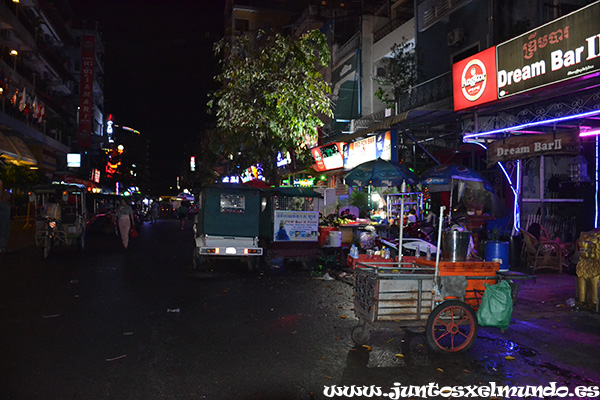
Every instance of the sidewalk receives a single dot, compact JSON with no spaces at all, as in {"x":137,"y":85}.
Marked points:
{"x":21,"y":236}
{"x":543,"y":321}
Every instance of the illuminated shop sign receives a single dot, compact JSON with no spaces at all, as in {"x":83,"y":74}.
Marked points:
{"x":86,"y":91}
{"x":564,"y":49}
{"x":249,"y":174}
{"x":73,"y":160}
{"x":474,"y":80}
{"x":329,"y":156}
{"x":283,"y":161}
{"x":371,"y":148}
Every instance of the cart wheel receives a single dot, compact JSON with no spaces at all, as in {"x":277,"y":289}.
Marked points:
{"x":361,"y":334}
{"x":47,"y":246}
{"x":451,"y":327}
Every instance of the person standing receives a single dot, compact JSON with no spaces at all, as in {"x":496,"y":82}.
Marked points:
{"x":125,"y":221}
{"x":4,"y":220}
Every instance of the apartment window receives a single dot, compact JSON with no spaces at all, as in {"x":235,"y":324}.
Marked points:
{"x":242,"y":25}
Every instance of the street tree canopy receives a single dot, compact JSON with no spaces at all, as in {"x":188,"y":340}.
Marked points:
{"x":272,"y":96}
{"x":400,"y":72}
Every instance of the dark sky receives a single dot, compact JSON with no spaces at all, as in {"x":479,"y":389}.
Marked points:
{"x":158,"y":69}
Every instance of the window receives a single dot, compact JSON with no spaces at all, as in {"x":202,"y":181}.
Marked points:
{"x":242,"y":25}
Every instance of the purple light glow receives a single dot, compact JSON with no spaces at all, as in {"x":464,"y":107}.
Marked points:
{"x":589,"y":133}
{"x":530,"y":124}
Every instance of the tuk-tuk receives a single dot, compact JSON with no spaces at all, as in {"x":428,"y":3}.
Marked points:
{"x":226,"y":224}
{"x":60,"y":215}
{"x":102,"y":208}
{"x":289,"y":224}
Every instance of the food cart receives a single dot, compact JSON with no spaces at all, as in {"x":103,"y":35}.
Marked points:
{"x":440,"y":297}
{"x":289,"y":224}
{"x":227,"y":224}
{"x":60,"y":215}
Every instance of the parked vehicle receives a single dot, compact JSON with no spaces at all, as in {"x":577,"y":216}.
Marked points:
{"x":227,"y":224}
{"x":289,"y":224}
{"x":61,"y":215}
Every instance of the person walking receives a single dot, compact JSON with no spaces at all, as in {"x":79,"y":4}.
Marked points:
{"x":154,"y":210}
{"x":183,"y":210}
{"x":125,"y":221}
{"x":4,"y":220}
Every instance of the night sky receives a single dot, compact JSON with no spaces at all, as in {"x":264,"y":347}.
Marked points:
{"x":159,"y":67}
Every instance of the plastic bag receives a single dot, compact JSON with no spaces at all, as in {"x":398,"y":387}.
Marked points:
{"x":133,"y":233}
{"x":496,"y":306}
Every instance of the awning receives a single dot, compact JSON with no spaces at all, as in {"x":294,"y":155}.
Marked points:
{"x":15,"y":150}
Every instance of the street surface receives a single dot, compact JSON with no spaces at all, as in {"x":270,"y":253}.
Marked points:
{"x":137,"y":324}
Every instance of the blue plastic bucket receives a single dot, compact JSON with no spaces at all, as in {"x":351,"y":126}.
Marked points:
{"x":498,"y":252}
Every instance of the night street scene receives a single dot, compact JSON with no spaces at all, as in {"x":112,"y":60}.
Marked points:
{"x":299,"y":199}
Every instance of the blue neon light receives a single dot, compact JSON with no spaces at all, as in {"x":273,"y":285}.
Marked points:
{"x":530,"y":124}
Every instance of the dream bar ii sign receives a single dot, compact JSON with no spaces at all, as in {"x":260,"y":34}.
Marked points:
{"x":563,"y":49}
{"x":521,"y":147}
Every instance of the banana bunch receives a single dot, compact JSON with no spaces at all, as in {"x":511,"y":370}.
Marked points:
{"x":342,"y":221}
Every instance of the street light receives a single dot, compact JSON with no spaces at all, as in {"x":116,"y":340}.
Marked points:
{"x":14,"y":53}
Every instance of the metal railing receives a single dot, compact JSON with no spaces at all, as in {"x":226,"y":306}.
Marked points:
{"x":347,"y":48}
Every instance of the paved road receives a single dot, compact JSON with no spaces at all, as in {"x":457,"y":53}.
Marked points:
{"x":96,"y":324}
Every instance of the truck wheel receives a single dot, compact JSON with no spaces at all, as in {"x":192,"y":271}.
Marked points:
{"x":197,"y":260}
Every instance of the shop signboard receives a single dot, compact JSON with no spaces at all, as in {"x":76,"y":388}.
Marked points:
{"x":329,"y":156}
{"x":474,"y":80}
{"x":527,"y":146}
{"x":296,"y":226}
{"x":368,"y":149}
{"x":86,"y":91}
{"x":563,"y":49}
{"x":566,"y":48}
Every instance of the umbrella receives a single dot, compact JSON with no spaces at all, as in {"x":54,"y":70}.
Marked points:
{"x":443,"y":178}
{"x":380,"y":173}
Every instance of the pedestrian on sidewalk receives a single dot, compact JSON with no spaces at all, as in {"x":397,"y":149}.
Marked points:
{"x":125,"y":221}
{"x":4,"y":220}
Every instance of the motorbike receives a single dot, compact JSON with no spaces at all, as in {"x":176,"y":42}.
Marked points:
{"x":60,"y":214}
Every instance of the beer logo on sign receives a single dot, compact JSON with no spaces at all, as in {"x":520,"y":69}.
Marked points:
{"x":473,"y":80}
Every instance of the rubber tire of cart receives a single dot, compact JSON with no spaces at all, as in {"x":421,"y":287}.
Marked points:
{"x":361,"y":334}
{"x":451,"y":332}
{"x":47,"y":246}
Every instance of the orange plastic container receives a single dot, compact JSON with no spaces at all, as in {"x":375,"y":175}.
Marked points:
{"x":478,"y":273}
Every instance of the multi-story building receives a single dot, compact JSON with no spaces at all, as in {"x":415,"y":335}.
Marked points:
{"x":40,"y":73}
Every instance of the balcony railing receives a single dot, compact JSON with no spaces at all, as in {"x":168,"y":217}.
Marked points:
{"x":389,"y":28}
{"x":435,"y":89}
{"x":347,"y":48}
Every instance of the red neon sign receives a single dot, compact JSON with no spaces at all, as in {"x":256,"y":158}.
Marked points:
{"x":474,"y":80}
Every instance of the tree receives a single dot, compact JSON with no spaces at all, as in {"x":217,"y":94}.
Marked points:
{"x":19,"y":177}
{"x":272,"y":96}
{"x":400,"y":72}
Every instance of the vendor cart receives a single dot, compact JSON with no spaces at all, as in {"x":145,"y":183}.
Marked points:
{"x":289,"y":224}
{"x":60,"y":215}
{"x":417,"y":293}
{"x":413,"y":296}
{"x":227,"y":224}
